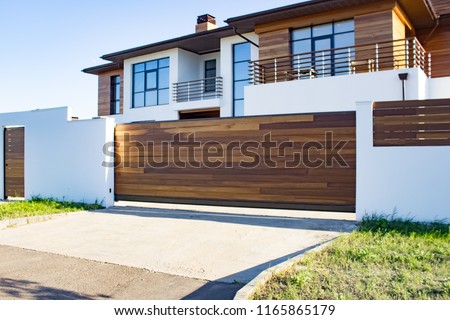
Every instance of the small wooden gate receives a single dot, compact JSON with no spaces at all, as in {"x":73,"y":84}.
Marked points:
{"x":14,"y":162}
{"x":305,"y":161}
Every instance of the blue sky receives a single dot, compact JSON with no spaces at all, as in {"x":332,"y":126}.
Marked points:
{"x":45,"y":44}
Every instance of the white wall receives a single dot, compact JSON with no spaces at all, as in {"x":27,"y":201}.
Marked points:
{"x":188,"y":66}
{"x":332,"y":93}
{"x":439,"y":88}
{"x":414,"y":181}
{"x":226,"y":66}
{"x":63,"y":159}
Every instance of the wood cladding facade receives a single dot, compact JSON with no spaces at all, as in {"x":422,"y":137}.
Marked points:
{"x":14,"y":162}
{"x":274,"y":44}
{"x":373,"y":28}
{"x":437,"y":43}
{"x":412,"y":123}
{"x":222,"y":176}
{"x":377,"y":22}
{"x":104,"y":92}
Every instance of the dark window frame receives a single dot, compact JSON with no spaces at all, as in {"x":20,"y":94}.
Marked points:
{"x":330,"y":36}
{"x":210,"y":84}
{"x":148,"y":70}
{"x":114,"y":107}
{"x":248,"y":80}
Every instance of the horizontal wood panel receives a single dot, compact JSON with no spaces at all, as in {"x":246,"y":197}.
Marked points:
{"x":104,"y":92}
{"x":326,"y":17}
{"x":437,"y":42}
{"x":14,"y":147}
{"x":315,"y":180}
{"x":274,"y":44}
{"x":412,"y":123}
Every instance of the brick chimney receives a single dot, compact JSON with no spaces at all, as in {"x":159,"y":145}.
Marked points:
{"x":205,"y":22}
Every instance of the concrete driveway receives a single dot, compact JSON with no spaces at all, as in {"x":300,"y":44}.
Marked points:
{"x":233,"y":246}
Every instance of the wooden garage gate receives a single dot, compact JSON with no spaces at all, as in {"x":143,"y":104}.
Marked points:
{"x":14,"y":162}
{"x":149,"y":168}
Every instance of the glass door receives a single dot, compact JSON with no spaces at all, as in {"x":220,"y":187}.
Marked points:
{"x":323,"y":61}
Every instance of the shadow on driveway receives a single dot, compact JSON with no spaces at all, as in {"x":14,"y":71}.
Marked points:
{"x":23,"y":289}
{"x":286,"y":222}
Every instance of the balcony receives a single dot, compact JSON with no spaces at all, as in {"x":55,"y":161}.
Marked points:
{"x":195,"y":90}
{"x":392,"y":55}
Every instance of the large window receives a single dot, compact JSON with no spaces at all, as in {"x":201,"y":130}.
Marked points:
{"x":324,"y":37}
{"x":151,"y":83}
{"x":241,"y":77}
{"x":115,"y":95}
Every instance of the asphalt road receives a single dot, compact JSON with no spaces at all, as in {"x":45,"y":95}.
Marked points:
{"x":32,"y":275}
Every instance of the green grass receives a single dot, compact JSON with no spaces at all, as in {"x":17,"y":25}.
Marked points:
{"x":385,"y":259}
{"x":39,"y":206}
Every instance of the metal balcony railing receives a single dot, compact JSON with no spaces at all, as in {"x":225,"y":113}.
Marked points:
{"x":209,"y":88}
{"x":398,"y":54}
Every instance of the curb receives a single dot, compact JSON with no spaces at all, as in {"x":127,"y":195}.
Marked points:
{"x":261,"y":279}
{"x":12,"y":223}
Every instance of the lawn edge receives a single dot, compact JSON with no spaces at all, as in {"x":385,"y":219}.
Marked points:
{"x":17,"y":222}
{"x":261,"y":279}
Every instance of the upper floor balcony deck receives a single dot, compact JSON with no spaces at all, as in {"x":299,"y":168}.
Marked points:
{"x":392,"y":55}
{"x":195,"y":90}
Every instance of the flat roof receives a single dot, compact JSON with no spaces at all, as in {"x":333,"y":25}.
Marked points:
{"x":199,"y":43}
{"x":422,"y":14}
{"x":103,"y":68}
{"x":417,"y":10}
{"x":305,"y":8}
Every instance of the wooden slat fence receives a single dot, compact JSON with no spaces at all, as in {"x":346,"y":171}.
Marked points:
{"x":412,"y":123}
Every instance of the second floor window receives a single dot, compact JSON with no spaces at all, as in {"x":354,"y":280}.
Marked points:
{"x":115,"y":95}
{"x":151,"y":83}
{"x":321,"y":39}
{"x":241,"y":77}
{"x":210,"y":76}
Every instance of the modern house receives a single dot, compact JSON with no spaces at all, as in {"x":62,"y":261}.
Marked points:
{"x":314,"y":56}
{"x":308,"y":111}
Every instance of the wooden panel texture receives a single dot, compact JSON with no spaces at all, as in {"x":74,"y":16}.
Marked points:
{"x":326,"y":17}
{"x":14,"y":162}
{"x":104,"y":92}
{"x":231,"y":163}
{"x":412,"y":123}
{"x":274,"y":44}
{"x":437,"y":43}
{"x":373,"y":28}
{"x":442,"y":7}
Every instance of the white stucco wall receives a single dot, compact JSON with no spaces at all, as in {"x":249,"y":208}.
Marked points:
{"x":226,"y":66}
{"x":439,"y":88}
{"x":332,"y":93}
{"x":63,"y":159}
{"x":188,"y":66}
{"x":413,"y":181}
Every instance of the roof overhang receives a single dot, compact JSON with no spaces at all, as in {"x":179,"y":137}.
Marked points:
{"x":421,"y":13}
{"x":199,"y":43}
{"x":301,"y":9}
{"x":440,"y":7}
{"x":103,"y":68}
{"x":418,"y":11}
